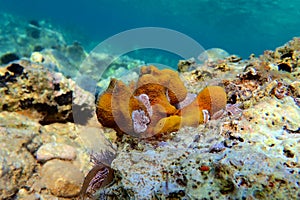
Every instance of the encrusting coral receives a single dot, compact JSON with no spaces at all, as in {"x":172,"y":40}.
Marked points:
{"x":151,"y":106}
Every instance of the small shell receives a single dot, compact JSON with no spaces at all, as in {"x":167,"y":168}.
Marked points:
{"x":100,"y":175}
{"x":206,"y":116}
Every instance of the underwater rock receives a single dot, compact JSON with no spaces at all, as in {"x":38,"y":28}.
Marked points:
{"x":250,"y":150}
{"x":254,"y":157}
{"x":27,"y":37}
{"x":244,"y":153}
{"x":276,"y":114}
{"x":285,"y":58}
{"x":295,"y":88}
{"x":37,"y":57}
{"x":50,"y":151}
{"x":62,"y":178}
{"x":113,"y":64}
{"x":64,"y":60}
{"x":39,"y":36}
{"x":233,"y":58}
{"x":22,"y":136}
{"x":264,"y":76}
{"x":14,"y":171}
{"x":186,"y":65}
{"x":33,"y":31}
{"x":250,"y":167}
{"x":17,"y":163}
{"x":212,"y":55}
{"x":99,"y":68}
{"x":126,"y":75}
{"x":29,"y":87}
{"x":8,"y":57}
{"x":75,"y":53}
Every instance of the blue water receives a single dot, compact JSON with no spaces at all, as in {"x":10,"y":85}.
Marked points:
{"x":240,"y":27}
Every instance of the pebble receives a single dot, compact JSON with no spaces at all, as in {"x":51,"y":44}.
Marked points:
{"x":53,"y":150}
{"x":36,"y":57}
{"x":62,"y":178}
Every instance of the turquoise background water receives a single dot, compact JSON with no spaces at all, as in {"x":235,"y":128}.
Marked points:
{"x":240,"y":27}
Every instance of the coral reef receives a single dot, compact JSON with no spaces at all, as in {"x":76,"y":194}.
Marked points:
{"x":266,"y":76}
{"x":30,"y":88}
{"x":242,"y":144}
{"x":249,"y":150}
{"x":149,"y":106}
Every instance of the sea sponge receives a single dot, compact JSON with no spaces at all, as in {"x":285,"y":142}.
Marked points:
{"x":167,"y":125}
{"x":210,"y":99}
{"x":160,"y":106}
{"x":149,"y":108}
{"x":115,"y":106}
{"x":157,"y":95}
{"x":176,"y":90}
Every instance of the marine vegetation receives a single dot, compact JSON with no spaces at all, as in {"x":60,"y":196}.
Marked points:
{"x":157,"y":104}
